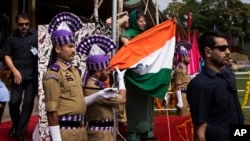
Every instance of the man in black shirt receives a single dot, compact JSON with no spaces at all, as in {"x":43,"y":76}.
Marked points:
{"x":20,"y":55}
{"x":212,"y":94}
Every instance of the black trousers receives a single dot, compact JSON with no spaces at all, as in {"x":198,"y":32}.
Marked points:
{"x":23,"y":93}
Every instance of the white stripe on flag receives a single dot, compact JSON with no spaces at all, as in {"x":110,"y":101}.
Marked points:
{"x":161,"y":58}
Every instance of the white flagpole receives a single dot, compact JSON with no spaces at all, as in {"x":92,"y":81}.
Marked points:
{"x":114,"y":19}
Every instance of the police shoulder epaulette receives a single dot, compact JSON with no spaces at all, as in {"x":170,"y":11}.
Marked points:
{"x":53,"y":76}
{"x":55,"y":67}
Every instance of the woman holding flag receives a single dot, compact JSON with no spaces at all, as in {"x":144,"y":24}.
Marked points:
{"x":148,"y":58}
{"x":139,"y":106}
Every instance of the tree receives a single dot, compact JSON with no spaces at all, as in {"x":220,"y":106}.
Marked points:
{"x":228,"y":16}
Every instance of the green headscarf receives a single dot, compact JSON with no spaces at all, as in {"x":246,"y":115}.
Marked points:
{"x":133,"y":30}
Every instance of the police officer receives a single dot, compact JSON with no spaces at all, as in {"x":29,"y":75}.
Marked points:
{"x":181,"y":77}
{"x":100,"y":114}
{"x":64,"y":99}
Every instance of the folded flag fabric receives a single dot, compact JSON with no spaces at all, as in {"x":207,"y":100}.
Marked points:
{"x":148,"y":59}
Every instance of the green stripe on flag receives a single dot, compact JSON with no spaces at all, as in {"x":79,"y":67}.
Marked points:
{"x":153,"y":84}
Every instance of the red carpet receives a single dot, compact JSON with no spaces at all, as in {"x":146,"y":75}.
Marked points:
{"x":180,"y":128}
{"x":5,"y":127}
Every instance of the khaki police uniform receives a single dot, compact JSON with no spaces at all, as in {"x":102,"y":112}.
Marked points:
{"x":181,"y":78}
{"x":122,"y":116}
{"x":100,"y":115}
{"x":64,"y":94}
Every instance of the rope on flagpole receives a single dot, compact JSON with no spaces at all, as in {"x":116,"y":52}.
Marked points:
{"x":118,"y":132}
{"x":146,"y":9}
{"x":97,"y":5}
{"x":115,"y":112}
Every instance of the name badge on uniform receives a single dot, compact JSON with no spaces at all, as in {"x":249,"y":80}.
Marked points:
{"x":34,"y":50}
{"x":69,"y":77}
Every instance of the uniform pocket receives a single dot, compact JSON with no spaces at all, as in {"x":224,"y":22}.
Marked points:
{"x":69,"y":88}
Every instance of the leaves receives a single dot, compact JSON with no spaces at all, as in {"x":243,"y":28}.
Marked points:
{"x":226,"y":15}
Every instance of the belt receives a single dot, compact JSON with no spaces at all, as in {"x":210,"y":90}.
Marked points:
{"x":183,"y":90}
{"x":95,"y":128}
{"x":71,"y":117}
{"x":70,"y":124}
{"x":101,"y":124}
{"x":106,"y":125}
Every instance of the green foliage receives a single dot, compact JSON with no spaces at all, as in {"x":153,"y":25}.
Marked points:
{"x":228,"y":16}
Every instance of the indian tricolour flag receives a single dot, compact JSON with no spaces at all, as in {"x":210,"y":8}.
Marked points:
{"x":148,"y":59}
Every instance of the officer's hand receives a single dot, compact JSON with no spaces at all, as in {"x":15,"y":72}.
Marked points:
{"x":192,"y":76}
{"x":120,"y":78}
{"x":120,"y":74}
{"x":107,"y":93}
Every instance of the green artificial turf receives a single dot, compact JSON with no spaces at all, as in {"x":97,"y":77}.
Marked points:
{"x":241,"y":82}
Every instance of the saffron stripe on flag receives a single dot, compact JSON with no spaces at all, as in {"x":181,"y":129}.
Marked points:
{"x":148,"y":59}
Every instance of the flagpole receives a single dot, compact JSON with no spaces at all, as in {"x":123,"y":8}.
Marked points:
{"x":114,"y":19}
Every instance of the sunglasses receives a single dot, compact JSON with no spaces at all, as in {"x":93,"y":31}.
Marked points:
{"x":220,"y":47}
{"x":22,"y":24}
